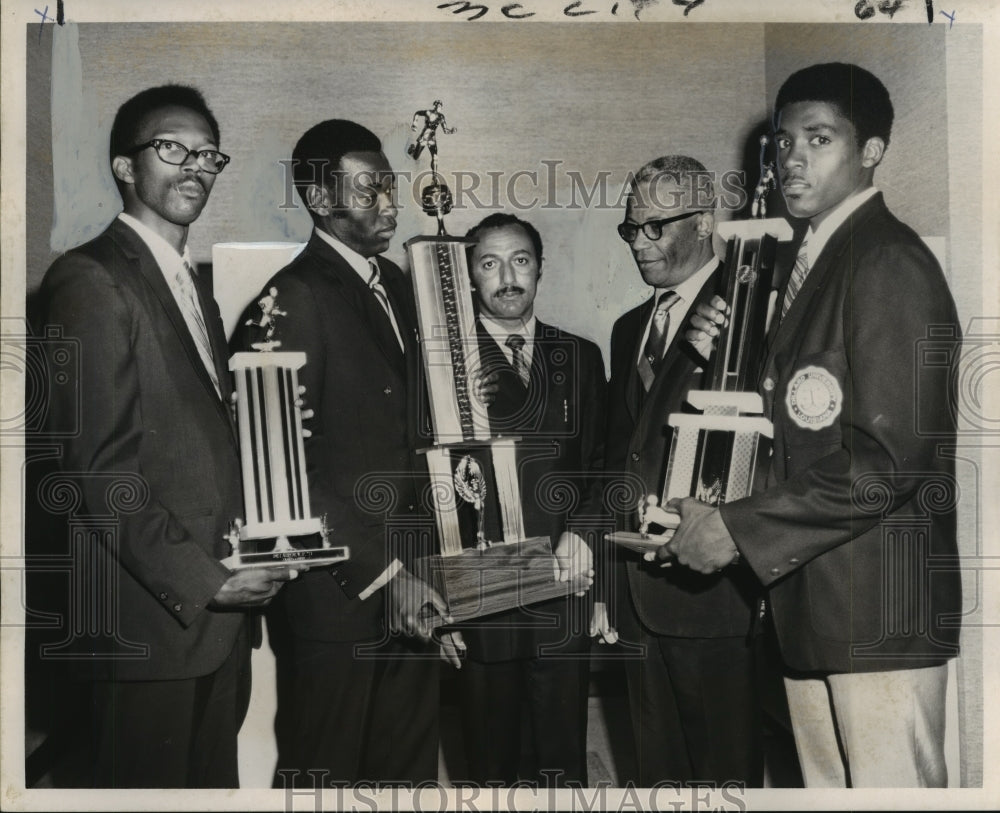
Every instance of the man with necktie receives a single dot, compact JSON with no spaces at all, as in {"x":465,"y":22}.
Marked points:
{"x":171,"y":682}
{"x":358,"y":685}
{"x":692,"y":691}
{"x":844,"y":531}
{"x":531,"y":665}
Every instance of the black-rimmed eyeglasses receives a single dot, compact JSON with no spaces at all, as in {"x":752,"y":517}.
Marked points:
{"x":173,"y":152}
{"x":653,"y":229}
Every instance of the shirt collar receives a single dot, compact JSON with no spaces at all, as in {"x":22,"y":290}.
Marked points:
{"x":818,"y":237}
{"x":164,"y":253}
{"x":688,"y":290}
{"x":351,"y":257}
{"x":500,"y":330}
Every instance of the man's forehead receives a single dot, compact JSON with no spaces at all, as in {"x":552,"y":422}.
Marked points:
{"x":663,"y":196}
{"x":812,"y":115}
{"x":508,"y":238}
{"x":173,"y":119}
{"x":368,"y":168}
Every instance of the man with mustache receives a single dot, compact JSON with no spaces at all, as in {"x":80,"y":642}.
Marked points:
{"x":692,"y":690}
{"x":533,"y":663}
{"x":845,"y":530}
{"x":172,"y":680}
{"x":358,"y":688}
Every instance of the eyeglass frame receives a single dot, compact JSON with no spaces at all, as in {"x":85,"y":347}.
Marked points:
{"x":658,"y":224}
{"x":156,"y":142}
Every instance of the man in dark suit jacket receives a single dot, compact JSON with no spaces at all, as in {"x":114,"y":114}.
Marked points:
{"x":356,"y":701}
{"x":157,"y":444}
{"x":859,"y":502}
{"x":533,"y":662}
{"x":692,"y":691}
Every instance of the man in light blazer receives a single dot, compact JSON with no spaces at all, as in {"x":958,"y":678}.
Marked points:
{"x":692,"y":690}
{"x":854,"y":532}
{"x":358,"y":685}
{"x":171,"y":680}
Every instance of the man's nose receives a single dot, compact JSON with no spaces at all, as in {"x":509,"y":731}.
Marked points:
{"x":507,"y":274}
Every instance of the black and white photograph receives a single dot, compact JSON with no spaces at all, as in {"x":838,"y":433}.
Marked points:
{"x":495,"y":406}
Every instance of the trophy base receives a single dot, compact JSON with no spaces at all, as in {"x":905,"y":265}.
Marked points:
{"x":475,"y":583}
{"x":314,"y":557}
{"x":639,"y":543}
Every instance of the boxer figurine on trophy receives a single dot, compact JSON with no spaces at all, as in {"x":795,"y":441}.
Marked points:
{"x":473,"y":474}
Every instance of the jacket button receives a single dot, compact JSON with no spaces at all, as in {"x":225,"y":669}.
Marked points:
{"x":343,"y":582}
{"x":775,"y":571}
{"x":635,"y":456}
{"x":177,"y":608}
{"x":163,"y":596}
{"x":769,"y":383}
{"x":387,"y":391}
{"x":793,"y":561}
{"x":411,"y":507}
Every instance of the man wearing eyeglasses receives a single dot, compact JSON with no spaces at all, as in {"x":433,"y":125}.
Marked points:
{"x":171,"y":678}
{"x":691,"y":689}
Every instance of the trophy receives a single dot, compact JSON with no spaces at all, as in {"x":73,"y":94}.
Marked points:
{"x":473,"y":474}
{"x":716,"y":453}
{"x":278,"y":527}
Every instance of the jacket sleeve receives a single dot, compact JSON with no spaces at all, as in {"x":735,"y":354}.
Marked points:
{"x":152,"y":545}
{"x":895,"y":292}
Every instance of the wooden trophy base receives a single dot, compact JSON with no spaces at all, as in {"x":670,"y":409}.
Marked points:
{"x":475,"y":583}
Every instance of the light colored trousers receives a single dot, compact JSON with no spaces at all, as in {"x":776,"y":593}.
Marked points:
{"x":871,"y":729}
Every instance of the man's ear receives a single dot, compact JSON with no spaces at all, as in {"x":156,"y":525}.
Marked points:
{"x":122,"y":169}
{"x":318,"y":200}
{"x":872,"y":152}
{"x":706,"y":225}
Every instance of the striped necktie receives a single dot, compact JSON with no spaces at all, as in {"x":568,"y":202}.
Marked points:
{"x":191,"y":310}
{"x":516,"y":345}
{"x":375,"y":283}
{"x":652,"y":352}
{"x":799,"y":272}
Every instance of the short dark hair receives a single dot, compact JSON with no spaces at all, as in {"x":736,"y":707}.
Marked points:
{"x":857,"y":94}
{"x":323,"y":146}
{"x":128,"y":119}
{"x":499,"y":220}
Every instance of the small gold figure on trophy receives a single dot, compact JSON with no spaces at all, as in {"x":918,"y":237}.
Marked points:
{"x":435,"y":198}
{"x":433,"y":118}
{"x":269,"y":311}
{"x":470,"y":485}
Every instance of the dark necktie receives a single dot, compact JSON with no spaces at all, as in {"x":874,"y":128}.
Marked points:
{"x":799,"y":272}
{"x":516,"y":345}
{"x":375,"y":284}
{"x":652,"y":352}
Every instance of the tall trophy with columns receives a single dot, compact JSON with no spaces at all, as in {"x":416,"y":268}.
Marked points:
{"x":473,"y":474}
{"x":717,"y":449}
{"x":278,"y":527}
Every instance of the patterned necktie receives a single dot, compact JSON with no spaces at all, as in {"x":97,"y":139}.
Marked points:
{"x":375,"y":283}
{"x":516,"y":345}
{"x":191,"y":310}
{"x":799,"y":272}
{"x":652,"y":353}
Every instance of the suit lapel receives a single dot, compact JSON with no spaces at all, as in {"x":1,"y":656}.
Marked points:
{"x":634,"y":395}
{"x":819,"y":275}
{"x":150,"y":272}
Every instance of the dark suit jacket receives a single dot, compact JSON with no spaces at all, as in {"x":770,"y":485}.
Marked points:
{"x":669,"y":601}
{"x":149,"y":415}
{"x":559,"y":418}
{"x":361,"y":464}
{"x":857,"y":507}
